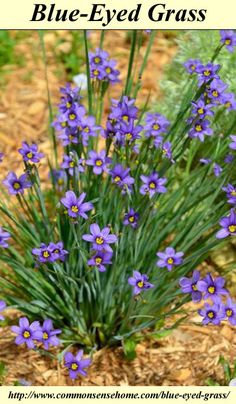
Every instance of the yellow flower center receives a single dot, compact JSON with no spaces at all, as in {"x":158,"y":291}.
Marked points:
{"x":56,"y":251}
{"x":140,"y":284}
{"x":232,"y":228}
{"x":155,"y":126}
{"x":108,"y":70}
{"x":71,"y":137}
{"x":164,"y":151}
{"x":131,"y":219}
{"x":207,"y":73}
{"x":233,"y":193}
{"x":228,"y":104}
{"x":117,"y":178}
{"x":128,"y":136}
{"x":200,"y":111}
{"x":194,"y":287}
{"x":97,"y":59}
{"x":16,"y":185}
{"x":125,"y":118}
{"x":63,"y":124}
{"x":211,"y":289}
{"x":74,"y":366}
{"x":228,"y":41}
{"x":68,"y":105}
{"x":86,"y":129}
{"x":72,"y":164}
{"x":72,"y":117}
{"x":98,"y":260}
{"x":170,"y":260}
{"x":96,"y":72}
{"x":99,"y":163}
{"x":74,"y":208}
{"x":152,"y":185}
{"x":26,"y":334}
{"x":99,"y":240}
{"x":229,"y":312}
{"x":198,"y":128}
{"x":193,"y":67}
{"x":29,"y":155}
{"x":215,"y":93}
{"x":210,"y":314}
{"x":46,"y":254}
{"x":60,"y":181}
{"x":45,"y":335}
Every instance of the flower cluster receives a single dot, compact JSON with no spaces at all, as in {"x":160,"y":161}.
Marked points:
{"x":50,"y":253}
{"x":30,"y":333}
{"x":74,"y":126}
{"x":100,"y":240}
{"x":103,"y":68}
{"x":210,"y":289}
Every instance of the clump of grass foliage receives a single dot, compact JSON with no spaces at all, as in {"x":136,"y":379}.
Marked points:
{"x":95,"y":308}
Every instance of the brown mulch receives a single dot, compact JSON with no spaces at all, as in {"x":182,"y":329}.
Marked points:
{"x":189,"y":356}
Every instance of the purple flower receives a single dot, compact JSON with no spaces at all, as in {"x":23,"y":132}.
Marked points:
{"x":72,"y":165}
{"x":192,"y":65}
{"x":212,"y":288}
{"x":215,"y":91}
{"x":189,"y":285}
{"x":49,"y":334}
{"x":57,"y":251}
{"x":229,"y":158}
{"x":100,"y":259}
{"x":1,"y":157}
{"x":4,"y":236}
{"x":123,"y":110}
{"x":169,"y":258}
{"x":228,"y":38}
{"x":152,"y":184}
{"x":211,"y":314}
{"x":98,"y":57}
{"x":229,"y":311}
{"x":2,"y":307}
{"x":166,"y":151}
{"x":131,"y":218}
{"x":228,"y":100}
{"x":87,"y":128}
{"x":205,"y":161}
{"x":50,"y":253}
{"x":232,"y":145}
{"x":100,"y":238}
{"x":207,"y":72}
{"x":99,"y":161}
{"x":128,"y":133}
{"x":30,"y":152}
{"x":201,"y":109}
{"x":230,"y":193}
{"x":16,"y":185}
{"x":76,"y":364}
{"x":121,"y":177}
{"x":111,"y":73}
{"x":59,"y":179}
{"x":200,"y":129}
{"x":75,"y":206}
{"x":217,"y":169}
{"x":139,"y":282}
{"x":156,"y":125}
{"x":27,"y":333}
{"x":228,"y":224}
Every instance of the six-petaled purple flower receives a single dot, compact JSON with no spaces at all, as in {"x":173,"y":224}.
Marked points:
{"x":75,"y":206}
{"x":76,"y":364}
{"x":16,"y":185}
{"x":169,"y":258}
{"x":27,"y":333}
{"x":139,"y":282}
{"x":30,"y":152}
{"x":152,"y":184}
{"x":189,"y":285}
{"x":100,"y":239}
{"x":212,"y":288}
